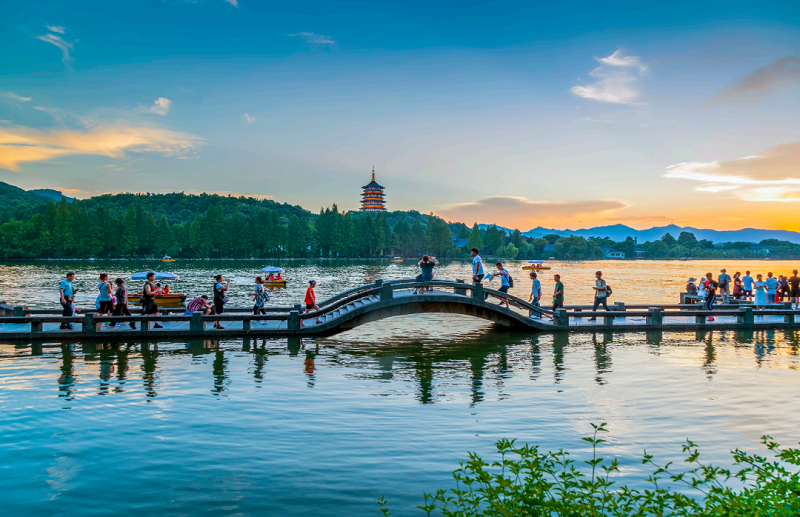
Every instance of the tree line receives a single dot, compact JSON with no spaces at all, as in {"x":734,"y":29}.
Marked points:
{"x":207,"y":225}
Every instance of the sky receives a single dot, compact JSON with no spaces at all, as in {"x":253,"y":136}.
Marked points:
{"x":523,"y":114}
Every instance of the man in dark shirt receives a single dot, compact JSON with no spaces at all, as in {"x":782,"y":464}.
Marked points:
{"x":426,"y":265}
{"x":794,"y":289}
{"x":711,"y":293}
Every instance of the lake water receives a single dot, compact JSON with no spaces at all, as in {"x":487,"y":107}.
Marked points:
{"x":326,"y":426}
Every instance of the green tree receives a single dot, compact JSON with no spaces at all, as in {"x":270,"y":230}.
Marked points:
{"x":475,"y":240}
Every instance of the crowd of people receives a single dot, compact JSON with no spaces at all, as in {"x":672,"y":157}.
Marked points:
{"x":112,"y":299}
{"x":760,"y":290}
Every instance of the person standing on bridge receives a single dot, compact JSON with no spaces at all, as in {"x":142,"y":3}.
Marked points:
{"x":536,"y":293}
{"x":505,"y":283}
{"x":724,"y":282}
{"x":260,"y":297}
{"x":150,"y":305}
{"x":220,"y":298}
{"x":121,"y":297}
{"x":748,"y":282}
{"x":794,"y":286}
{"x":772,"y":287}
{"x":67,"y":294}
{"x":311,"y":299}
{"x":711,"y":293}
{"x":477,"y":266}
{"x":600,"y":294}
{"x":761,"y":292}
{"x":558,"y":293}
{"x":426,"y":265}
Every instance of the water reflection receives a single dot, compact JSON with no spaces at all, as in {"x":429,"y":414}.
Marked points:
{"x":480,"y":364}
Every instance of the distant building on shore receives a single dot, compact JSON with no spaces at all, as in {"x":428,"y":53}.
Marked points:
{"x":372,"y":197}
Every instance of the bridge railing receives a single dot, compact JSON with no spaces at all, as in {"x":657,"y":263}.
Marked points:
{"x":654,"y":316}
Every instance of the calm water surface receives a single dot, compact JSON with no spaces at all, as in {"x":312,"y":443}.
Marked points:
{"x":326,"y":426}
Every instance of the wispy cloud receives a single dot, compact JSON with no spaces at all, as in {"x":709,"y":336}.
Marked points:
{"x":160,"y":106}
{"x":20,"y":145}
{"x":513,"y":210}
{"x":14,"y":96}
{"x":312,"y":37}
{"x":249,"y":119}
{"x":767,"y":78}
{"x":773,"y":175}
{"x":55,"y":28}
{"x":616,"y":80}
{"x":234,"y":3}
{"x":59,"y":42}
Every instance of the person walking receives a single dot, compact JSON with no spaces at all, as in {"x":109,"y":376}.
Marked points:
{"x":105,"y":298}
{"x":772,"y":287}
{"x":748,"y":281}
{"x":784,"y":291}
{"x":536,"y":293}
{"x":505,"y":283}
{"x":738,"y":288}
{"x":426,"y":265}
{"x":121,"y":299}
{"x":794,"y":286}
{"x":260,"y":297}
{"x":220,"y":298}
{"x":311,"y":299}
{"x":558,"y":293}
{"x":711,"y":293}
{"x":477,"y":266}
{"x":600,"y":294}
{"x":761,"y":292}
{"x":67,"y":297}
{"x":149,"y":295}
{"x":199,"y":304}
{"x":724,"y":282}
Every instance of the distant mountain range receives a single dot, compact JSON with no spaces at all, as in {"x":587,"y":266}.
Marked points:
{"x":620,"y":232}
{"x":49,"y":193}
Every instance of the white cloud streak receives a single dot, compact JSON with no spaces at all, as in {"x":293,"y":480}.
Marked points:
{"x":55,"y":28}
{"x":767,"y":78}
{"x":59,"y":42}
{"x":14,"y":96}
{"x":312,"y":37}
{"x":249,"y":119}
{"x":234,"y":3}
{"x":773,"y":175}
{"x":616,"y":80}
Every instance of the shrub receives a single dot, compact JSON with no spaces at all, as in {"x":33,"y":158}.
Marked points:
{"x":525,"y":482}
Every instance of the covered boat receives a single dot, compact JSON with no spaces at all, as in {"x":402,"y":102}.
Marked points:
{"x":536,"y":265}
{"x":276,"y":279}
{"x":397,"y":260}
{"x":167,"y":258}
{"x":164,"y":299}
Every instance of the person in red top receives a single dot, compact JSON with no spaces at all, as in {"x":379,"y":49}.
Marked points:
{"x":165,"y":290}
{"x":311,"y":299}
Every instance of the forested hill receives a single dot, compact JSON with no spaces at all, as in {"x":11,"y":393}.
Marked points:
{"x":204,"y":225}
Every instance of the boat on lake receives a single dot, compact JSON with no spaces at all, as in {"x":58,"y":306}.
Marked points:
{"x":167,"y":258}
{"x":397,"y":260}
{"x":536,"y":265}
{"x":169,"y":300}
{"x":275,"y":281}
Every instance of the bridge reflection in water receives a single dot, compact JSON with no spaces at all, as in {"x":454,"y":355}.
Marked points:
{"x":485,"y":359}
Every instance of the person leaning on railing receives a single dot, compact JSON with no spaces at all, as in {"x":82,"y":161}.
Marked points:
{"x":426,"y":265}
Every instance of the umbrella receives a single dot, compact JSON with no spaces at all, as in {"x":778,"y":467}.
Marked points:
{"x":159,"y":276}
{"x":270,"y":269}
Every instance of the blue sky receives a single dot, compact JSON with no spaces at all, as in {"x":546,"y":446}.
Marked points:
{"x":520,"y":113}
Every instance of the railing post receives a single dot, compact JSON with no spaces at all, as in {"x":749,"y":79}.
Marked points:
{"x":700,"y":320}
{"x":746,"y":317}
{"x":683,"y":298}
{"x":386,"y":290}
{"x":19,"y":311}
{"x":89,"y":326}
{"x":561,"y":318}
{"x":656,"y":318}
{"x":788,"y":318}
{"x":293,"y":323}
{"x":477,"y":291}
{"x":457,"y":290}
{"x":196,"y":324}
{"x":609,"y":319}
{"x":36,"y":326}
{"x":246,"y":326}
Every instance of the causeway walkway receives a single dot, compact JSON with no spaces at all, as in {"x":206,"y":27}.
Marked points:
{"x":382,"y":300}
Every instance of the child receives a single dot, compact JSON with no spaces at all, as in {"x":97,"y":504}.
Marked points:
{"x":121,"y":296}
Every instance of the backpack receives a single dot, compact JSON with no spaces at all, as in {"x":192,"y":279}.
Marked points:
{"x":609,"y":292}
{"x":510,"y":281}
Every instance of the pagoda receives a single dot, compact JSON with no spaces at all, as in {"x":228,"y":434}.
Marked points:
{"x":372,"y":197}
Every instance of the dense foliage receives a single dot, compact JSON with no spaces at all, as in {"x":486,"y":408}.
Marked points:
{"x":526,"y":482}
